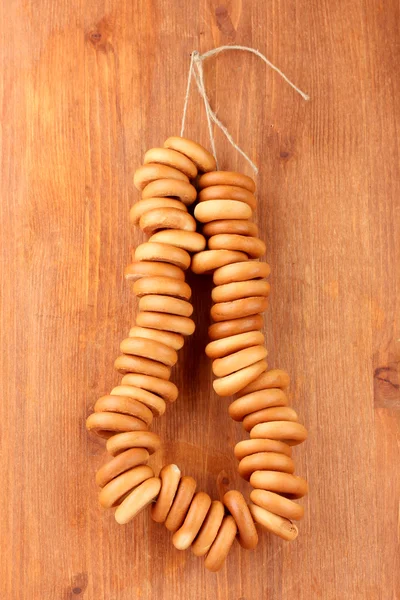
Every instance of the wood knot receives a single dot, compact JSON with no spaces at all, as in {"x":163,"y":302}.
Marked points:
{"x":223,"y":481}
{"x":224,"y":22}
{"x":79,"y":584}
{"x":100,"y":34}
{"x":95,"y":37}
{"x":386,"y":387}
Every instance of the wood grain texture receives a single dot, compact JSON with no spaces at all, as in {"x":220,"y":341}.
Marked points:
{"x":86,"y":87}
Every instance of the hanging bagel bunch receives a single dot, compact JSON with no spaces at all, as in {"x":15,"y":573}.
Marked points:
{"x":128,"y":484}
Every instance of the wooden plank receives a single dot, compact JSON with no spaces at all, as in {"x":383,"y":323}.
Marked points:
{"x":86,"y":88}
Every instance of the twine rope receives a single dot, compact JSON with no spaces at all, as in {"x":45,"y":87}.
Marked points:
{"x":196,"y":72}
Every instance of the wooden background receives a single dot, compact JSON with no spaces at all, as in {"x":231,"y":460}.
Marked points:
{"x":86,"y":87}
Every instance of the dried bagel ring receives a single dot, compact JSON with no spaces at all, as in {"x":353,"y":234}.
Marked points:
{"x":172,"y":158}
{"x":276,"y":413}
{"x":137,"y":500}
{"x":215,"y":210}
{"x":252,"y":246}
{"x":242,"y":271}
{"x":190,"y":241}
{"x":227,"y":178}
{"x":209,"y":529}
{"x":143,"y":206}
{"x":209,"y":260}
{"x":275,"y":378}
{"x":236,"y":504}
{"x":277,"y":504}
{"x":256,"y":401}
{"x":228,"y":192}
{"x":164,"y":253}
{"x":151,"y":172}
{"x":239,"y":226}
{"x":146,"y":366}
{"x":268,"y":461}
{"x":225,"y":329}
{"x":203,"y":160}
{"x":124,"y":405}
{"x":238,"y":360}
{"x":274,"y":523}
{"x":152,"y":401}
{"x":121,"y":463}
{"x":133,"y":439}
{"x":174,"y":340}
{"x":174,"y":323}
{"x":240,"y":289}
{"x":221,"y":545}
{"x":280,"y":483}
{"x":181,"y":503}
{"x":237,"y":309}
{"x":167,"y":286}
{"x":247,"y":447}
{"x":106,"y":424}
{"x":137,"y":270}
{"x":166,"y":389}
{"x":149,"y":349}
{"x":170,"y":476}
{"x":166,"y":218}
{"x":195,"y":516}
{"x":113,"y":492}
{"x":173,"y":188}
{"x":165,"y":304}
{"x":225,"y":346}
{"x":231,"y":384}
{"x":286,"y":431}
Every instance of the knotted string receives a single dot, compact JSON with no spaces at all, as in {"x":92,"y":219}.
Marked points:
{"x":196,"y":72}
